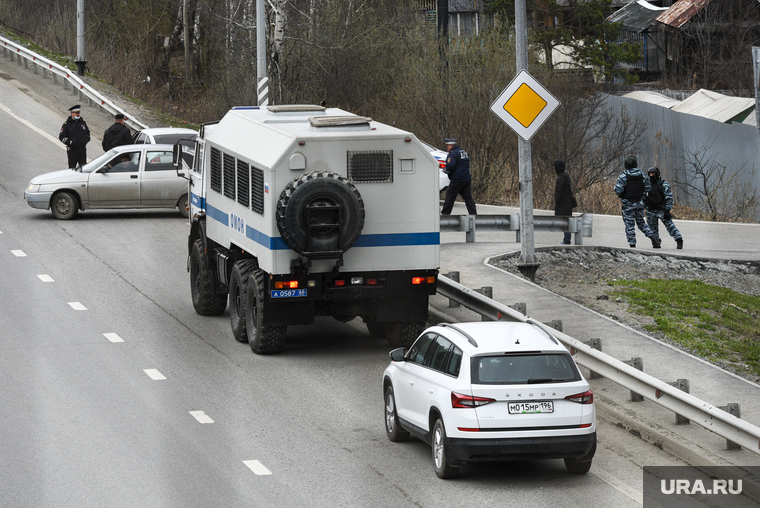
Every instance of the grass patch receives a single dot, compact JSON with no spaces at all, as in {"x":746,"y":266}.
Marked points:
{"x":715,"y":323}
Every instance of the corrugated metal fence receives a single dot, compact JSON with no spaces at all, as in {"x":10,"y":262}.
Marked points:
{"x":672,"y":139}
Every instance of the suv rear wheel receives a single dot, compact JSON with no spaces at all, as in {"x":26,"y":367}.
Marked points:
{"x":442,"y":467}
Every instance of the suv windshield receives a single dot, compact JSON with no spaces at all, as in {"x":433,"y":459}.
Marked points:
{"x":524,"y":369}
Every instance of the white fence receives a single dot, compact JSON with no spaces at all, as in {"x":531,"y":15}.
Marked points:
{"x":25,"y":57}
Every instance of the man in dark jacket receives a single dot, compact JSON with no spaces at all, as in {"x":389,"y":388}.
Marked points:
{"x":631,"y":187}
{"x":458,"y":169}
{"x":659,"y":202}
{"x":563,"y":196}
{"x":118,"y":134}
{"x":75,"y":135}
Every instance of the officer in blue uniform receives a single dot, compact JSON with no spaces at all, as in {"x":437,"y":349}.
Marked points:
{"x":659,"y":202}
{"x":75,"y":135}
{"x":631,"y":187}
{"x":458,"y":170}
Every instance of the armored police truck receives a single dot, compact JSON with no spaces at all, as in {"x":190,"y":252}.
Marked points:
{"x":304,"y":211}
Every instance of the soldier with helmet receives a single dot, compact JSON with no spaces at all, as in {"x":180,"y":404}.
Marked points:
{"x":631,"y":187}
{"x":75,"y":135}
{"x":659,"y":202}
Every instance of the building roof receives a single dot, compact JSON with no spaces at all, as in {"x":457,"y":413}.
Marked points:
{"x":637,"y":15}
{"x":681,"y":12}
{"x":653,"y":98}
{"x":717,"y":106}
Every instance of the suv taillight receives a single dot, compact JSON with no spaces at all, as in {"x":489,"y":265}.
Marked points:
{"x":582,"y":398}
{"x":468,"y":401}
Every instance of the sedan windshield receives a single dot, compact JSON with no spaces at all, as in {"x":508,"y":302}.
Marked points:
{"x":524,"y":369}
{"x":99,"y":161}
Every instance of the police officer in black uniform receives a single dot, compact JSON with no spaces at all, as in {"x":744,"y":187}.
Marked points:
{"x":75,"y":135}
{"x":458,"y":169}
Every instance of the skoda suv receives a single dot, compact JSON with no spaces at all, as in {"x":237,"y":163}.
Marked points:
{"x":490,"y":391}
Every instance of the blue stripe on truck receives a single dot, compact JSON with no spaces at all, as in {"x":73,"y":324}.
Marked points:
{"x":377,"y":240}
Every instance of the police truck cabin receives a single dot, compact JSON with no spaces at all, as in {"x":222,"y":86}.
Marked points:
{"x":328,"y":213}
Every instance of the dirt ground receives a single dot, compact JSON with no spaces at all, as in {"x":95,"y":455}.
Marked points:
{"x":581,"y":274}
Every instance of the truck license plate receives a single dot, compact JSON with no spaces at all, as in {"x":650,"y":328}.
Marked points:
{"x":288,"y":293}
{"x":531,"y":407}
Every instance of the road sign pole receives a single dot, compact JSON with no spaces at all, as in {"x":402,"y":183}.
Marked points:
{"x":528,"y":262}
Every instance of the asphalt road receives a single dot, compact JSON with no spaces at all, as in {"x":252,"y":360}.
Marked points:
{"x":113,"y":392}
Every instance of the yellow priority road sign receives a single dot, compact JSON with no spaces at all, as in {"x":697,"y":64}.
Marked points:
{"x":525,"y":105}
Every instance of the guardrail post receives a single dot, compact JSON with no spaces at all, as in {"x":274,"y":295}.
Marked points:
{"x":26,"y":63}
{"x":733,"y":409}
{"x":470,"y":235}
{"x":521,"y":307}
{"x":556,"y":324}
{"x":594,"y":343}
{"x":19,"y":60}
{"x":486,"y":291}
{"x":455,"y":277}
{"x":55,"y":80}
{"x":683,"y":385}
{"x":34,"y":66}
{"x":637,"y":363}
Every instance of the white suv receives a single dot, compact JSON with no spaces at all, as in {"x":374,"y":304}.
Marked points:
{"x":488,"y":391}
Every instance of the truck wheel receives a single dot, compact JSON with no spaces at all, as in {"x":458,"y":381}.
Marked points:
{"x":183,"y":206}
{"x":403,"y":334}
{"x":238,"y":280}
{"x":205,"y":301}
{"x":262,"y":339}
{"x":64,"y":205}
{"x":307,"y":220}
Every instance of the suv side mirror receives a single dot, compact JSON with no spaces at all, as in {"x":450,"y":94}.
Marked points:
{"x":397,"y":355}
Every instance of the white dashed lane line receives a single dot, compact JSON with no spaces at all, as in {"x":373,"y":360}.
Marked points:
{"x":19,"y":253}
{"x":201,"y":417}
{"x":77,"y":306}
{"x":45,"y":278}
{"x":113,"y":337}
{"x":154,"y":374}
{"x":257,"y":467}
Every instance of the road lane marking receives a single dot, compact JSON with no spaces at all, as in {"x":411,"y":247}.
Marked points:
{"x":201,"y":417}
{"x":46,"y":278}
{"x":154,"y":374}
{"x":42,"y":133}
{"x":19,"y":253}
{"x":618,"y":484}
{"x":113,"y":337}
{"x":77,"y":306}
{"x":257,"y":467}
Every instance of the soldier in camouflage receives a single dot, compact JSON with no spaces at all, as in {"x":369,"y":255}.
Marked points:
{"x":659,"y":202}
{"x":631,"y":187}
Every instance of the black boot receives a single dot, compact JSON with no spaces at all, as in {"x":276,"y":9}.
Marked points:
{"x":656,"y":243}
{"x":679,"y":243}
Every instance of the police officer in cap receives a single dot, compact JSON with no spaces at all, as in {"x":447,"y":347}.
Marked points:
{"x":458,"y":169}
{"x":75,"y":135}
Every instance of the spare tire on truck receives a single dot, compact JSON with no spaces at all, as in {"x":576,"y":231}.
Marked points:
{"x":320,"y":212}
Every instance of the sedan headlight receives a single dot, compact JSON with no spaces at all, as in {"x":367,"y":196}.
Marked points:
{"x":33,"y":188}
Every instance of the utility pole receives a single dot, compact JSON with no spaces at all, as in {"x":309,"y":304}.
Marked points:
{"x":186,"y":32}
{"x":80,"y":60}
{"x":261,"y":54}
{"x":528,"y":262}
{"x":756,"y":70}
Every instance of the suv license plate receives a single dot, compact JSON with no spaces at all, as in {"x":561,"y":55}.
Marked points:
{"x":288,"y":293}
{"x":531,"y":407}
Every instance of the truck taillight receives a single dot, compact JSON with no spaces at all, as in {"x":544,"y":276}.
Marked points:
{"x":582,"y":398}
{"x":423,"y":280}
{"x":286,"y":284}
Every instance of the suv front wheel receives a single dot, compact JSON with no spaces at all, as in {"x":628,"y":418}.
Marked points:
{"x":392,"y":428}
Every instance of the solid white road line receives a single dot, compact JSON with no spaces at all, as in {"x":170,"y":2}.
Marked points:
{"x":39,"y":131}
{"x":154,"y":374}
{"x":113,"y":337}
{"x":77,"y":306}
{"x":46,"y":278}
{"x":618,"y":484}
{"x":201,"y":417}
{"x":257,"y":467}
{"x":19,"y":253}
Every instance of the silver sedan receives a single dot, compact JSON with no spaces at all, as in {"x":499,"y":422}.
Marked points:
{"x":129,"y":176}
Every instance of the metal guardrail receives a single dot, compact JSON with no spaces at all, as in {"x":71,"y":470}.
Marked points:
{"x":581,"y":225}
{"x":16,"y":51}
{"x":698,"y":411}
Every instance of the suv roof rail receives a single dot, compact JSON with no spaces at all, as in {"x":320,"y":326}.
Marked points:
{"x":547,"y":332}
{"x":469,"y":338}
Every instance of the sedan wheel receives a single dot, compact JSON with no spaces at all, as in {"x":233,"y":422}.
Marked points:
{"x":183,"y":206}
{"x":64,"y":206}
